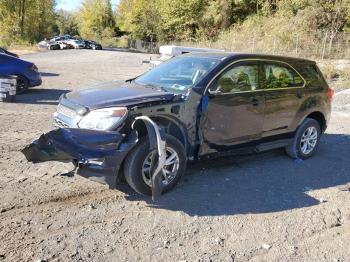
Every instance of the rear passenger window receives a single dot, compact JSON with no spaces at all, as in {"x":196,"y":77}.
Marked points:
{"x":280,"y":76}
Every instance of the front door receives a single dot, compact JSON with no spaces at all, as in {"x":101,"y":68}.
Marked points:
{"x":235,"y":109}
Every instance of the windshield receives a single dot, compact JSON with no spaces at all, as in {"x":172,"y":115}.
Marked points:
{"x":178,"y":74}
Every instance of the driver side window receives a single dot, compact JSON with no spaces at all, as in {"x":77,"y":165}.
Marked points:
{"x":238,"y":79}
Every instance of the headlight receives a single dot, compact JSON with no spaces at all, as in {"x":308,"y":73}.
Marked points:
{"x":103,"y":119}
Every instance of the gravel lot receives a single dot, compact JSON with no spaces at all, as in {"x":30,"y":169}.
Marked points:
{"x":263,"y":207}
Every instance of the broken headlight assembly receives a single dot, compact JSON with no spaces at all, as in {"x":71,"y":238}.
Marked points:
{"x":103,"y":119}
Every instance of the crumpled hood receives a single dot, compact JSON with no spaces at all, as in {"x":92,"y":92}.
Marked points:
{"x":117,"y":94}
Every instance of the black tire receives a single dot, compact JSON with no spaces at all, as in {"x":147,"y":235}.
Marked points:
{"x":134,"y":162}
{"x":22,"y":84}
{"x":54,"y":47}
{"x":294,"y":149}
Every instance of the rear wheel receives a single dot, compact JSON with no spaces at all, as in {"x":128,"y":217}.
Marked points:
{"x":138,"y":163}
{"x":54,"y":47}
{"x":306,"y":140}
{"x":22,"y":84}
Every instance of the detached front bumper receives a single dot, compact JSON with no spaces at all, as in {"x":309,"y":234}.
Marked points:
{"x":97,"y":155}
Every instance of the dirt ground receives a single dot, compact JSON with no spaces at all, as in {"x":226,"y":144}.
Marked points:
{"x":263,"y":207}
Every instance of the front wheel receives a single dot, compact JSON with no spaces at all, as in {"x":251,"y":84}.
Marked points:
{"x":306,"y":140}
{"x":22,"y":84}
{"x":138,"y":163}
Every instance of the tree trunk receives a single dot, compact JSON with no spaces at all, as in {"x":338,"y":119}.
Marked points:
{"x":21,"y":15}
{"x":324,"y":45}
{"x":331,"y":39}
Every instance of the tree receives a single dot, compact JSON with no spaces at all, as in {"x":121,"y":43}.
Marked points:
{"x":181,"y":19}
{"x":332,"y":18}
{"x":140,"y":17}
{"x":145,"y":20}
{"x":125,"y":14}
{"x":94,"y":17}
{"x":27,"y":20}
{"x":66,"y":23}
{"x":221,"y":14}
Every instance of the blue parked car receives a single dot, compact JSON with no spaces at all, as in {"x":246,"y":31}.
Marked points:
{"x":27,"y":72}
{"x":4,"y":51}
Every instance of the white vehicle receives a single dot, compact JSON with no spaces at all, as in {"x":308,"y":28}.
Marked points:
{"x":169,"y":51}
{"x":47,"y":43}
{"x":61,"y":38}
{"x":77,"y":44}
{"x":43,"y":44}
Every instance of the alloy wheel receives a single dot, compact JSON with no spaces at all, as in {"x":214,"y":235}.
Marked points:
{"x":170,"y":169}
{"x":308,"y":140}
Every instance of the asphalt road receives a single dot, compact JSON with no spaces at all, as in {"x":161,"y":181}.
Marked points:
{"x":263,"y":207}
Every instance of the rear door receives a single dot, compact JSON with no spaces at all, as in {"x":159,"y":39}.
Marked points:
{"x":235,"y":111}
{"x":284,"y":90}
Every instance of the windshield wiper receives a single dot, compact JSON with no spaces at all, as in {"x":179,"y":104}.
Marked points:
{"x":130,"y":80}
{"x":156,"y":86}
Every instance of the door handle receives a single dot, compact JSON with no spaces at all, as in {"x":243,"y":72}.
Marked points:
{"x":255,"y":102}
{"x":299,"y":94}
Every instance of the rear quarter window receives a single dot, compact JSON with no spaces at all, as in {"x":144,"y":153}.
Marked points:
{"x":312,"y":75}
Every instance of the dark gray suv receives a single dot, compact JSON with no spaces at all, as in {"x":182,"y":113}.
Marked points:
{"x":206,"y":104}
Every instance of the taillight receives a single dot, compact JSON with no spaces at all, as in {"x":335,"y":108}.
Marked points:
{"x":34,"y":68}
{"x":330,"y":94}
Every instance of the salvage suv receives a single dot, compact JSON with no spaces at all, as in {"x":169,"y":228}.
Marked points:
{"x":207,"y":104}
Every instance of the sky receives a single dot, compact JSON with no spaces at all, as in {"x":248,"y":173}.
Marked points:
{"x":72,"y":5}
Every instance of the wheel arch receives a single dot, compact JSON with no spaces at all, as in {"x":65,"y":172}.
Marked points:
{"x":170,"y":126}
{"x":21,"y":75}
{"x":320,"y":118}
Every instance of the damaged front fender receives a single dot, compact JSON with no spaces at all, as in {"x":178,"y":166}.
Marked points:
{"x":157,"y":144}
